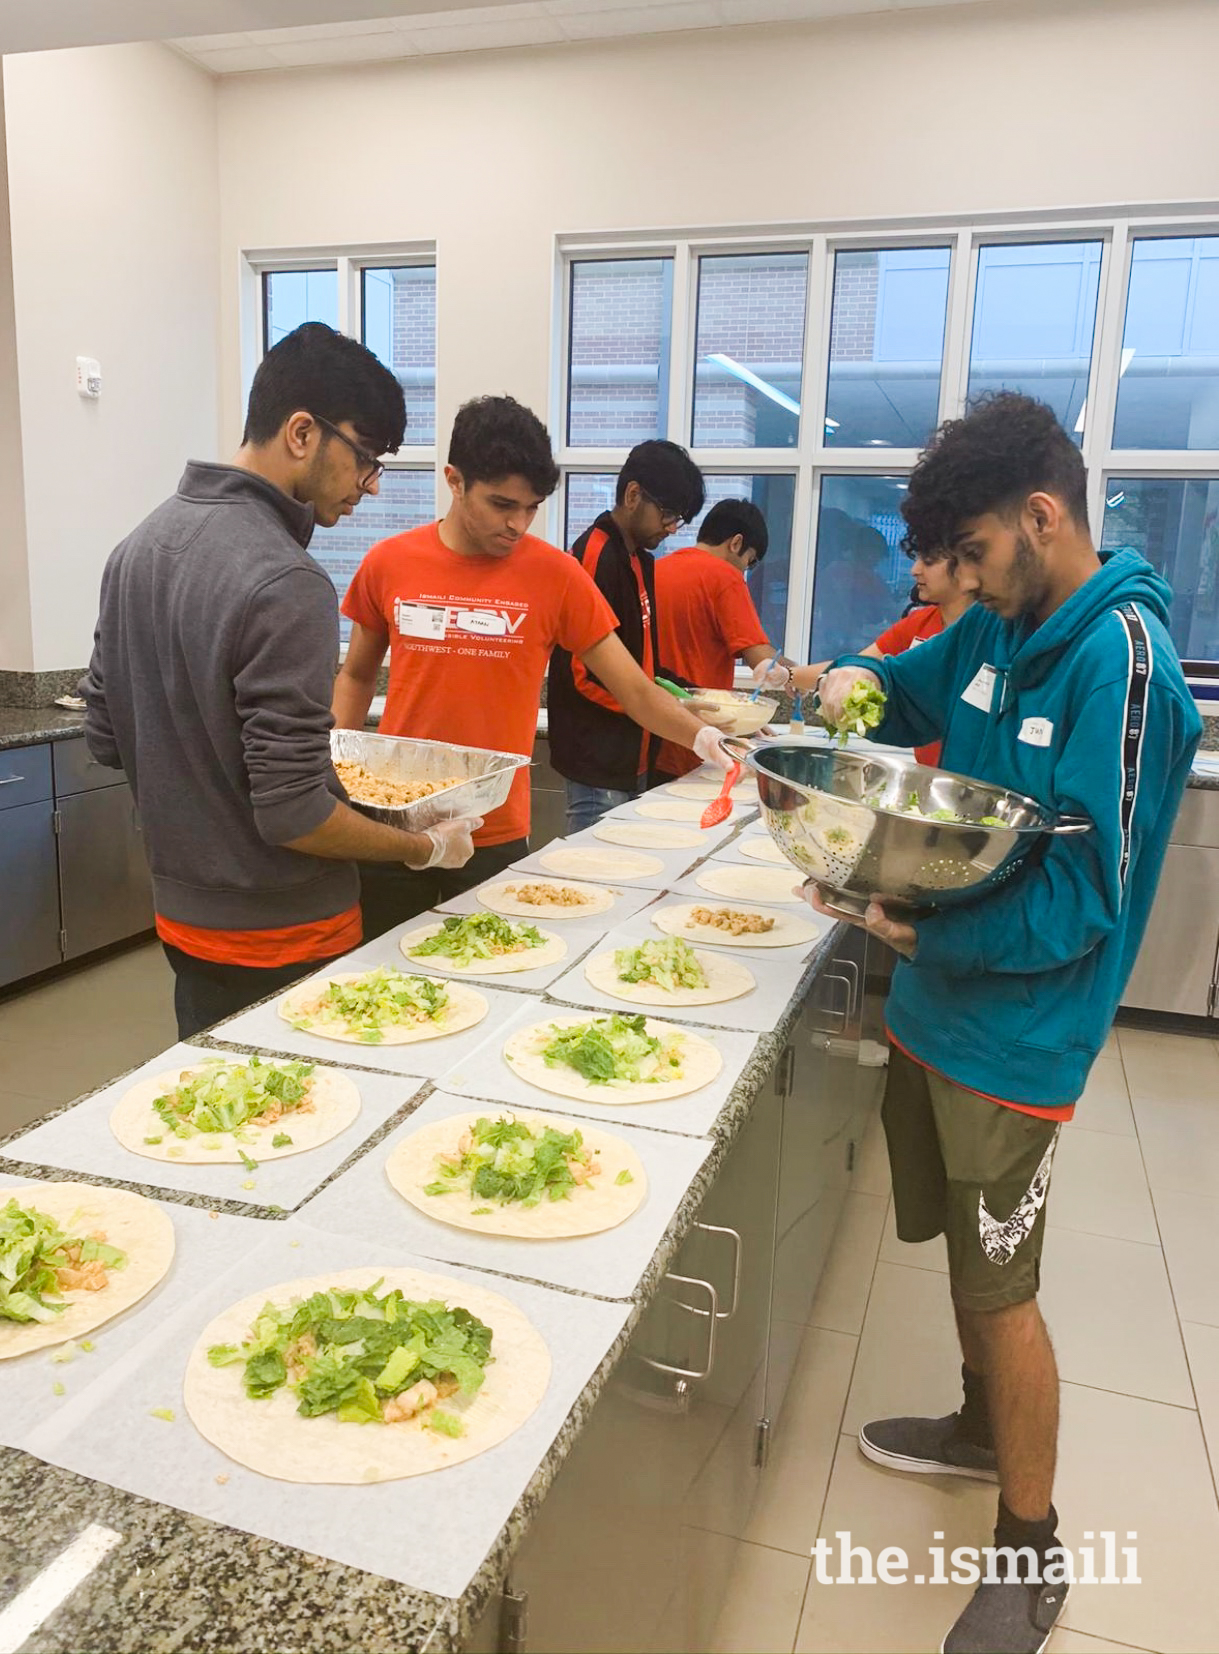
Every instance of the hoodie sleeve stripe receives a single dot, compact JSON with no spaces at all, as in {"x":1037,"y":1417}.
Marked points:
{"x":1140,"y":662}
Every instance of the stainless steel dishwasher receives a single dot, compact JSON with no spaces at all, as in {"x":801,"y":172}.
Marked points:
{"x":1177,"y":969}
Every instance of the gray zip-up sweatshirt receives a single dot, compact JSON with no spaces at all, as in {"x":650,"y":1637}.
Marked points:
{"x":210,"y":684}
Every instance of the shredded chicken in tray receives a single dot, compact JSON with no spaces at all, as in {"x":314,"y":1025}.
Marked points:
{"x":734,"y":922}
{"x":548,"y":895}
{"x":365,"y":788}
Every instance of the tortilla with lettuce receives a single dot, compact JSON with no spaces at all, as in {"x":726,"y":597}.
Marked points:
{"x":623,"y":1058}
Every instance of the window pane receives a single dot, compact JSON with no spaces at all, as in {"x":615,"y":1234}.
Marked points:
{"x":621,"y":319}
{"x":886,"y":346}
{"x":290,"y":297}
{"x":400,"y":328}
{"x":1034,"y":320}
{"x":1168,"y":396}
{"x":1175,"y":524}
{"x":750,"y":350}
{"x":588,"y":494}
{"x":861,"y":576}
{"x":775,"y":498}
{"x":406,"y":499}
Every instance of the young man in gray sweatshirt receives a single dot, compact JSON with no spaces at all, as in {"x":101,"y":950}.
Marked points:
{"x":211,"y":679}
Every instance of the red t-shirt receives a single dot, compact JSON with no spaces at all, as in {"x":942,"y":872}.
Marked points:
{"x":916,"y":627}
{"x":469,"y":639}
{"x":266,"y":949}
{"x":706,"y":618}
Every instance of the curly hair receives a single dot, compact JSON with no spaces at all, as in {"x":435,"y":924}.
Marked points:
{"x":1007,"y":447}
{"x":496,"y":437}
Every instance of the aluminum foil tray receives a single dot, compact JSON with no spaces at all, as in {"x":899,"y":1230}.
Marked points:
{"x":484,"y":784}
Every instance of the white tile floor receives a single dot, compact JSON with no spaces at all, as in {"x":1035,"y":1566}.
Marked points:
{"x":1131,"y":1295}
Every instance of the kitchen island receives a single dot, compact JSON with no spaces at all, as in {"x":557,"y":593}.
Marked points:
{"x":673,"y":1389}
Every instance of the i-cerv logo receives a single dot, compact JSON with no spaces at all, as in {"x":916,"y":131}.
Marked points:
{"x":485,"y":622}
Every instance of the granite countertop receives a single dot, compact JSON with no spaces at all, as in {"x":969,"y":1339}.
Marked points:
{"x":26,"y":726}
{"x":192,"y":1583}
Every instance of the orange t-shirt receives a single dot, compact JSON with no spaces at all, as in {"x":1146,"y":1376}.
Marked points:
{"x":470,"y":639}
{"x":705,"y":618}
{"x":916,"y":627}
{"x":265,"y":949}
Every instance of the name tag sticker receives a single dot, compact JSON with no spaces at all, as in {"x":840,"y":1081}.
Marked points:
{"x":981,"y":692}
{"x":1038,"y":732}
{"x":420,"y":619}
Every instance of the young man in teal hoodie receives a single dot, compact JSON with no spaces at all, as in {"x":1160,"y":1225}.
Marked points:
{"x":1061,"y":682}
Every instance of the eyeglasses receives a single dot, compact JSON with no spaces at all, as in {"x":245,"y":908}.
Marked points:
{"x":673,"y":518}
{"x":371,"y":467}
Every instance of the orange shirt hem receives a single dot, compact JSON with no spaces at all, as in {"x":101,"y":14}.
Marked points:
{"x":266,"y":949}
{"x":1061,"y":1111}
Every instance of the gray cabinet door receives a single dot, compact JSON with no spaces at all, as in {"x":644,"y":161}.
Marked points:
{"x":1176,"y":962}
{"x":106,"y":888}
{"x":29,"y":892}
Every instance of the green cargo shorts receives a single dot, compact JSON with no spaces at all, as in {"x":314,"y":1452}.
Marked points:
{"x":973,"y":1171}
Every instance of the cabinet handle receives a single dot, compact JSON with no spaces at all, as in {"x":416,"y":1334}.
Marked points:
{"x":10,"y":780}
{"x":723,"y":1229}
{"x":850,"y":965}
{"x":712,"y":1316}
{"x":843,"y":1016}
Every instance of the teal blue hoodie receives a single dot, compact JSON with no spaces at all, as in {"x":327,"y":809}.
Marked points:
{"x":1013,"y":995}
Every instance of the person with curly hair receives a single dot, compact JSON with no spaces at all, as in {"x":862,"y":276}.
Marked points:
{"x":1059,"y":682}
{"x":469,"y":609}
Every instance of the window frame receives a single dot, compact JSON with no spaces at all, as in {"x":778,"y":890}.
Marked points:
{"x":964,"y":235}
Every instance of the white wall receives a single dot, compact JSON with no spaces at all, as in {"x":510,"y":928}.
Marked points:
{"x":1030,"y":105}
{"x":114,"y":205}
{"x":16,"y":634}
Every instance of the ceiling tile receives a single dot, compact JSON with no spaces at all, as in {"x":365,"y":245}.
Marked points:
{"x":652,"y":19}
{"x":507,"y":31}
{"x":210,"y":42}
{"x":231,"y":60}
{"x":321,"y":31}
{"x":781,"y":11}
{"x":469,"y":16}
{"x":364,"y":48}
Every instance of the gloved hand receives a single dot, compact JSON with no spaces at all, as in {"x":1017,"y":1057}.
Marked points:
{"x":707,"y":746}
{"x":452,"y":841}
{"x":834,"y":687}
{"x":772,"y":674}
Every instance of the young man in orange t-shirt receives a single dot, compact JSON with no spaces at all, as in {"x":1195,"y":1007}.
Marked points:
{"x":705,"y":614}
{"x":470,"y":609}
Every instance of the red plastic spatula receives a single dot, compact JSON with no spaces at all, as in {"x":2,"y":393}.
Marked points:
{"x":720,"y":808}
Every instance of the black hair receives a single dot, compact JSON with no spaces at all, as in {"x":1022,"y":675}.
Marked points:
{"x":1007,"y":447}
{"x":729,"y":517}
{"x":332,"y":377}
{"x":496,"y":437}
{"x":665,"y":471}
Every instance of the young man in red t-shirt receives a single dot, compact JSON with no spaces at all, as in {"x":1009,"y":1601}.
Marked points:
{"x":704,"y":612}
{"x":470,"y":609}
{"x":943,"y":602}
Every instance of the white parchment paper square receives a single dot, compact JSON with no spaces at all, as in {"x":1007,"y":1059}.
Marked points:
{"x":431,"y":1532}
{"x":486,"y":1077}
{"x":673,"y":864}
{"x":204,"y":1247}
{"x":776,"y":980}
{"x":363,"y":1202}
{"x":264,"y":1028}
{"x":80,"y":1140}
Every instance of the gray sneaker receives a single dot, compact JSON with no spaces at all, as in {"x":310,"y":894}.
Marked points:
{"x":1008,"y":1618}
{"x":927,"y":1447}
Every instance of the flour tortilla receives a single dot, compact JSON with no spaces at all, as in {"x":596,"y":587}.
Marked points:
{"x":726,"y":979}
{"x":496,"y":897}
{"x":335,"y":1098}
{"x":464,"y":1010}
{"x":788,"y":930}
{"x":671,"y":809}
{"x":701,"y":1062}
{"x":272,"y":1438}
{"x":600,"y":864}
{"x":137,"y":1226}
{"x":764,"y":849}
{"x":707,"y":790}
{"x":643,"y":835}
{"x":768,"y":885}
{"x":588,"y":1211}
{"x":552,"y":950}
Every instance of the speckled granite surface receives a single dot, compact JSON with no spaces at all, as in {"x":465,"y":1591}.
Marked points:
{"x":180,"y":1582}
{"x":29,"y":726}
{"x":34,"y":689}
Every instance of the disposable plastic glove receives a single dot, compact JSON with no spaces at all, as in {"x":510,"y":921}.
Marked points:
{"x":835,"y":686}
{"x":452,"y":841}
{"x":771,"y":674}
{"x":707,"y":746}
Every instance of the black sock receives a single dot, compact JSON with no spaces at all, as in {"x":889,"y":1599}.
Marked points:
{"x":973,"y":1421}
{"x":1039,"y":1537}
